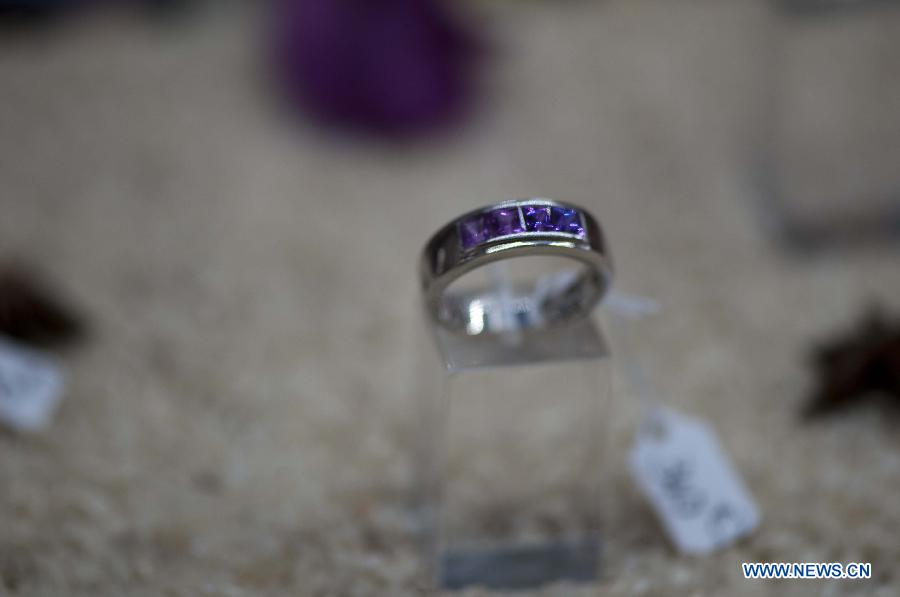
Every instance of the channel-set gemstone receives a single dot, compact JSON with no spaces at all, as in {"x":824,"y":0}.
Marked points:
{"x":537,"y":218}
{"x":486,"y":226}
{"x":565,"y":219}
{"x":501,"y":222}
{"x":546,"y":218}
{"x":504,"y":221}
{"x":472,"y":231}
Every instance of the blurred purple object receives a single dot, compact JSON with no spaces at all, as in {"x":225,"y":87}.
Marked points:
{"x":392,"y":66}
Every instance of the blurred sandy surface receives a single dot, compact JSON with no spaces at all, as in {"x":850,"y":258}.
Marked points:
{"x":241,"y":422}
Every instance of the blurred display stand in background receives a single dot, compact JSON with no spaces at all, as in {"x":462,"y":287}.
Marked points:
{"x":829,"y":159}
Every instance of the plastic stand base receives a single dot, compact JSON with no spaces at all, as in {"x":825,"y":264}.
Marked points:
{"x":521,"y":567}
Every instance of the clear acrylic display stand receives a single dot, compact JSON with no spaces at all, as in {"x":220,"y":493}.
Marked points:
{"x":512,"y":450}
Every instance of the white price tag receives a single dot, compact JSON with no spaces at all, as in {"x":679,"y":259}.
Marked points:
{"x":31,"y":387}
{"x":681,"y":468}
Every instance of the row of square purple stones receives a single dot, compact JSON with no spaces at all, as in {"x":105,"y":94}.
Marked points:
{"x":505,"y":221}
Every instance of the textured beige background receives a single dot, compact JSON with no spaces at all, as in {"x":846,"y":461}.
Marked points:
{"x":241,"y":421}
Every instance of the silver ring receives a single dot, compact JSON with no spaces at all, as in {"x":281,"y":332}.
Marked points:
{"x":507,"y":231}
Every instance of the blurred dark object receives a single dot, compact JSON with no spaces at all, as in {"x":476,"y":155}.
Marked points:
{"x":30,"y":313}
{"x":830,"y":130}
{"x":18,"y":13}
{"x":394,"y":67}
{"x":26,"y":12}
{"x":863,"y":363}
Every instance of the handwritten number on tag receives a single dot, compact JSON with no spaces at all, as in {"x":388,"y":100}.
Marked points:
{"x":676,"y":480}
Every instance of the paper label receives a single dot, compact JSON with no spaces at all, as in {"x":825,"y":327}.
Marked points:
{"x":690,"y":482}
{"x":31,"y":387}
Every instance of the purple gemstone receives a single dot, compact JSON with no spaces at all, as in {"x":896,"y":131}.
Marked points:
{"x":501,"y":222}
{"x":537,"y":218}
{"x":565,"y":219}
{"x":472,"y":231}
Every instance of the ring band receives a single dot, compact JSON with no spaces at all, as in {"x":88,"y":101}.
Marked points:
{"x":506,"y":230}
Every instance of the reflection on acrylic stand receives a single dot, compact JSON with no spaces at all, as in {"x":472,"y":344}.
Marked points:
{"x":512,"y":450}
